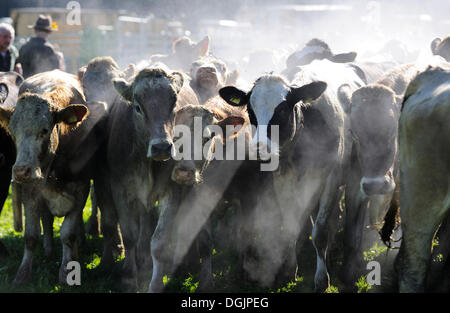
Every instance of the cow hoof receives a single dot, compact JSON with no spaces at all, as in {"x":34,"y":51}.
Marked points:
{"x":23,"y":276}
{"x":156,"y":287}
{"x":322,"y":283}
{"x":129,"y":284}
{"x":207,"y":287}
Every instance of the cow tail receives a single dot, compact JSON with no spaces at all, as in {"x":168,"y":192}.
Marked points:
{"x":391,"y":220}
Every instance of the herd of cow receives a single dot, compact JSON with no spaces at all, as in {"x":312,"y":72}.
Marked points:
{"x":374,"y":135}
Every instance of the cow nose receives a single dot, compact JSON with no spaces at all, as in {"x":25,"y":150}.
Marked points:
{"x":207,"y":69}
{"x":22,"y":173}
{"x":161,"y":151}
{"x":377,"y":186}
{"x":184,"y":173}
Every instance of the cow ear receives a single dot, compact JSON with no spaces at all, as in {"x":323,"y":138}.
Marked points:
{"x":306,"y":93}
{"x":232,"y":77}
{"x":343,"y":57}
{"x":4,"y":91}
{"x":123,"y":88}
{"x":344,"y":94}
{"x":81,"y":72}
{"x":234,"y":96}
{"x":434,"y":44}
{"x":71,"y":114}
{"x":398,"y":103}
{"x":5,"y":115}
{"x":178,"y":81}
{"x":14,"y":78}
{"x":232,"y":121}
{"x":203,"y":46}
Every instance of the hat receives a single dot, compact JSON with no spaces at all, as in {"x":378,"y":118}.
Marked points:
{"x":44,"y":23}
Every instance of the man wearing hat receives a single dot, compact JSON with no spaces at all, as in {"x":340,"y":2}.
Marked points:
{"x":38,"y":55}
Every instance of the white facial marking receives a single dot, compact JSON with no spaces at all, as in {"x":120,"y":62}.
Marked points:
{"x":266,"y":95}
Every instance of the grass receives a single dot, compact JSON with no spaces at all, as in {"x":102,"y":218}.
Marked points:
{"x":227,"y":277}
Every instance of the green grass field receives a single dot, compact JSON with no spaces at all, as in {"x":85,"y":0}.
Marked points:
{"x":96,"y":279}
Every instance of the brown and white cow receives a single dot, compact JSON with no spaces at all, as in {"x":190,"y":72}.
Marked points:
{"x":198,"y":184}
{"x":9,"y":90}
{"x":372,"y":172}
{"x":54,"y":133}
{"x":311,"y":148}
{"x":139,"y":139}
{"x":424,"y":132}
{"x":97,"y":81}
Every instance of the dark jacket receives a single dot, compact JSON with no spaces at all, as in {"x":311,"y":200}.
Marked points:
{"x":37,"y":56}
{"x":7,"y":63}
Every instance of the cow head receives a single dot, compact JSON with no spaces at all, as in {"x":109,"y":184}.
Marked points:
{"x":209,"y":74}
{"x":185,"y":51}
{"x":96,"y":78}
{"x":205,"y":128}
{"x":35,"y":126}
{"x":153,"y":93}
{"x":374,"y":120}
{"x":316,"y":49}
{"x":272,"y":102}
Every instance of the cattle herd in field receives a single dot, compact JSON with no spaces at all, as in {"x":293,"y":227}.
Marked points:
{"x":370,"y":137}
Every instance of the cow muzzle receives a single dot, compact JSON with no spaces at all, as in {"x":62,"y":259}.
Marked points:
{"x":261,"y":150}
{"x":207,"y":76}
{"x":26,"y":174}
{"x":159,"y":150}
{"x":184,"y":176}
{"x":377,"y":185}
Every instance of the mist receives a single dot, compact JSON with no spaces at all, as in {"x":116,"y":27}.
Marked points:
{"x":256,"y":37}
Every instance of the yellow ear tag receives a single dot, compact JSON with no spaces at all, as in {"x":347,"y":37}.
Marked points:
{"x":73,"y":119}
{"x":235,"y":100}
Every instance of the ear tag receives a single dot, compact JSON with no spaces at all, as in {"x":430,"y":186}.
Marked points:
{"x":73,"y":119}
{"x":235,"y":100}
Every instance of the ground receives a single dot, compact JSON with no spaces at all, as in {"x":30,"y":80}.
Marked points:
{"x":96,"y":279}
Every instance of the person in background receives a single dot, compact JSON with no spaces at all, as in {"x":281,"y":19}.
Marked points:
{"x":38,"y":54}
{"x":8,"y":53}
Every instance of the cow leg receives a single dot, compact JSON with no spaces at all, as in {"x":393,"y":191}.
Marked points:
{"x":204,"y":247}
{"x":33,"y":206}
{"x":413,"y":260}
{"x":161,"y":254}
{"x":93,"y":224}
{"x":355,"y":209}
{"x":438,"y":280}
{"x":129,"y":225}
{"x":320,"y":231}
{"x":4,"y":188}
{"x":47,"y":225}
{"x":16,"y":197}
{"x":109,"y":220}
{"x":143,"y":253}
{"x":414,"y":257}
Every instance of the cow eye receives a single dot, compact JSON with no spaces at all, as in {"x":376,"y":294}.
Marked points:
{"x":44,"y":132}
{"x":137,"y":108}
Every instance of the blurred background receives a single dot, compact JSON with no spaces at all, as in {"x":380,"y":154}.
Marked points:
{"x":133,"y":30}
